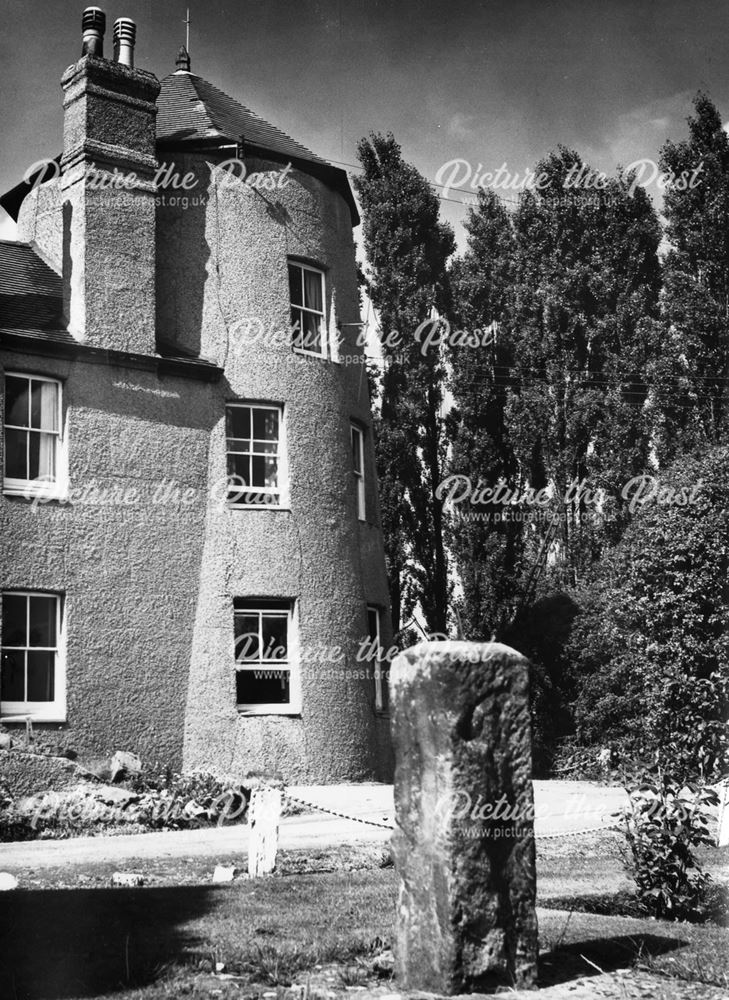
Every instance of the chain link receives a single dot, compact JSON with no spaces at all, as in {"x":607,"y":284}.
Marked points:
{"x":387,"y":826}
{"x":576,"y":833}
{"x":331,"y":812}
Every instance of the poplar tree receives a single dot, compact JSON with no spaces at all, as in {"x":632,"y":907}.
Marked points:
{"x":571,"y":279}
{"x":407,"y":249}
{"x":586,"y":282}
{"x":691,"y":371}
{"x":488,"y":551}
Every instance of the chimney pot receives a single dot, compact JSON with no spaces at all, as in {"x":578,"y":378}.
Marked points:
{"x":125,"y":34}
{"x":93,"y":25}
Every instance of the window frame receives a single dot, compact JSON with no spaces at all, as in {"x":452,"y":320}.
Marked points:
{"x":277,"y":608}
{"x":39,"y":711}
{"x":376,"y":660}
{"x":282,"y":489}
{"x":304,"y":266}
{"x":13,"y":486}
{"x":360,"y":492}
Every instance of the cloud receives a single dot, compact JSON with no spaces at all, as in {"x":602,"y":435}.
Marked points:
{"x":464,"y":126}
{"x":641,"y":131}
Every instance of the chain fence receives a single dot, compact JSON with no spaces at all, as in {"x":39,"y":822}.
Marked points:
{"x":388,"y":826}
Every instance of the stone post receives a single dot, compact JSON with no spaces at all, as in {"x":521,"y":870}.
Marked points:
{"x":464,"y":809}
{"x":264,"y":813}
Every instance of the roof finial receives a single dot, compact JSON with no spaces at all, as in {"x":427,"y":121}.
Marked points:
{"x":183,"y":60}
{"x":183,"y":56}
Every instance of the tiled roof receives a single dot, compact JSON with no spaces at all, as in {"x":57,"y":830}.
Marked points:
{"x":31,"y":317}
{"x":190,"y":108}
{"x":31,"y":296}
{"x":22,"y":271}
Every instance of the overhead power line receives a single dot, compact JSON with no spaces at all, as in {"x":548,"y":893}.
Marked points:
{"x":456,"y":201}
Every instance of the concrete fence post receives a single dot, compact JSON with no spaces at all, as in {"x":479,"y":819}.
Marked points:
{"x":264,"y":813}
{"x":464,"y":809}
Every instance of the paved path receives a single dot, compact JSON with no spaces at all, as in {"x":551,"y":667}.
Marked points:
{"x":560,"y":806}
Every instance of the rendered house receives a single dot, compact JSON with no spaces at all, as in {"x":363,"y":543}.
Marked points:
{"x":191,"y":560}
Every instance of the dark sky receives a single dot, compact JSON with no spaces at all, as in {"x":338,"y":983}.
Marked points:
{"x":490,"y":81}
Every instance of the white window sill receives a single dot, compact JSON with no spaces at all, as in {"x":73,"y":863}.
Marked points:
{"x":31,"y":492}
{"x":20,"y":718}
{"x":268,"y":710}
{"x":309,"y":354}
{"x":255,"y":506}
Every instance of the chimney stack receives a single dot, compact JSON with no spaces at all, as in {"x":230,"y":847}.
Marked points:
{"x":94,"y":25}
{"x":125,"y":33}
{"x":108,"y":168}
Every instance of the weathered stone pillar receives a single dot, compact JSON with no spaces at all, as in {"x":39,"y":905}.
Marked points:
{"x":464,"y":808}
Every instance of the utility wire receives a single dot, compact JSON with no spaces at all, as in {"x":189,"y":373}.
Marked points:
{"x":358,"y":168}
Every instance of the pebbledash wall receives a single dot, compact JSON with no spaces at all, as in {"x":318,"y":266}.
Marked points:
{"x":149,"y":587}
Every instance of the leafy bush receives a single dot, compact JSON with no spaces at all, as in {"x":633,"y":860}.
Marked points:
{"x":186,"y":800}
{"x":160,"y":800}
{"x":663,"y":825}
{"x":693,"y":713}
{"x":577,"y":762}
{"x":650,"y":647}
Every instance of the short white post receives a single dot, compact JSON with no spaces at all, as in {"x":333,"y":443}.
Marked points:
{"x":722,"y":833}
{"x":264,"y":813}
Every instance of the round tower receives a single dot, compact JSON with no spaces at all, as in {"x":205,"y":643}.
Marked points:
{"x":256,"y":273}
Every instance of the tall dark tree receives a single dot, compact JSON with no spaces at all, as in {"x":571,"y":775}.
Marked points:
{"x":488,"y":551}
{"x":407,"y":249}
{"x":572,"y":280}
{"x":586,"y":284}
{"x":691,"y":371}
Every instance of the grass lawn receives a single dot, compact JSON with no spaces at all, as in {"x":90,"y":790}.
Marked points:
{"x":324,"y":929}
{"x":86,"y":942}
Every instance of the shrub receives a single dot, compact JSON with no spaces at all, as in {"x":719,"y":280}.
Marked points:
{"x":156,"y":801}
{"x":575,"y":761}
{"x":177,"y":801}
{"x":664,"y":823}
{"x":650,"y":647}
